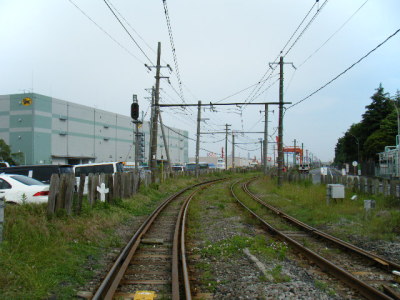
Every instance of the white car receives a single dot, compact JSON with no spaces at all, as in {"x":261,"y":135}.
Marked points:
{"x":21,"y":189}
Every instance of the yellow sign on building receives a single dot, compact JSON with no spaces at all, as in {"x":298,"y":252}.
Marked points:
{"x":26,"y":101}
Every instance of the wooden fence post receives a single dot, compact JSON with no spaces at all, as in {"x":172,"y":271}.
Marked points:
{"x":53,"y":194}
{"x":393,"y":191}
{"x":362,"y":185}
{"x":355,"y":185}
{"x":110,"y":183}
{"x":385,"y":187}
{"x":117,"y":186}
{"x":96,"y":179}
{"x":69,"y":192}
{"x":2,"y":205}
{"x":82,"y":179}
{"x":90,"y":189}
{"x":60,"y":203}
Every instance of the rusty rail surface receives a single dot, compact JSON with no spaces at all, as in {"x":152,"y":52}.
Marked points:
{"x":364,"y":289}
{"x":109,"y":285}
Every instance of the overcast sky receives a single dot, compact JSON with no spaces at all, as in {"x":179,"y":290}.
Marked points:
{"x":222,"y":47}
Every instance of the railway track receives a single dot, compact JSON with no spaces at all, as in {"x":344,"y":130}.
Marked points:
{"x":154,"y":262}
{"x":363,"y":271}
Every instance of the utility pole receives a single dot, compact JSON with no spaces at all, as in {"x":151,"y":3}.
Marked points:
{"x":226,"y":146}
{"x":233,"y":150}
{"x":198,"y":138}
{"x":165,"y":143}
{"x":153,"y":107}
{"x":154,"y":127}
{"x":266,"y":140}
{"x":295,"y":154}
{"x":280,"y":126}
{"x":262,"y":152}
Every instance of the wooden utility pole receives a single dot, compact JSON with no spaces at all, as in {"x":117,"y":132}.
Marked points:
{"x":226,"y":146}
{"x":198,"y":138}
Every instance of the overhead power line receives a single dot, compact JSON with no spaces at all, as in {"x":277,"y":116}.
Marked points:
{"x":340,"y":28}
{"x":340,"y":74}
{"x":255,"y":92}
{"x":127,"y":31}
{"x":105,"y":32}
{"x":306,"y":27}
{"x":171,"y":39}
{"x":133,"y":29}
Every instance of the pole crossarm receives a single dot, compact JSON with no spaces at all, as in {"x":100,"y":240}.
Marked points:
{"x":220,"y":104}
{"x":236,"y":132}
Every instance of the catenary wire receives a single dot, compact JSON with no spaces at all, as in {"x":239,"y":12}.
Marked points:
{"x":306,"y":27}
{"x":342,"y":73}
{"x":171,"y":39}
{"x":105,"y":32}
{"x":340,"y":28}
{"x":127,"y":31}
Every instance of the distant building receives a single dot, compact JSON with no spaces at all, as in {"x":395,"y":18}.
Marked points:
{"x":46,"y":130}
{"x":219,"y":162}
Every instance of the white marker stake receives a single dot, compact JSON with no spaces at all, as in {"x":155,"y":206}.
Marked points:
{"x":103,"y":191}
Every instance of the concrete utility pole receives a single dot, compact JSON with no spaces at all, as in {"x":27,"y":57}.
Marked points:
{"x":154,"y":127}
{"x":262,"y":152}
{"x":226,"y":146}
{"x":295,"y":154}
{"x":233,"y":150}
{"x":280,"y":126}
{"x":266,"y":140}
{"x":153,"y":107}
{"x":198,"y":138}
{"x":165,"y":143}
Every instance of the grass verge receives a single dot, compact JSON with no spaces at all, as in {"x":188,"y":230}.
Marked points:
{"x":51,"y":258}
{"x":307,"y":202}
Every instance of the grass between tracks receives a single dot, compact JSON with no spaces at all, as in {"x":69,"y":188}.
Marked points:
{"x":42,"y":258}
{"x":345,"y":219}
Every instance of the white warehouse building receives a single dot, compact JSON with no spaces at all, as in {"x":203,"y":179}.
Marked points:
{"x":46,"y":130}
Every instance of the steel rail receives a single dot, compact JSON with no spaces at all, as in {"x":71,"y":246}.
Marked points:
{"x":364,"y":289}
{"x":382,"y":262}
{"x":110,"y":283}
{"x":185,"y":273}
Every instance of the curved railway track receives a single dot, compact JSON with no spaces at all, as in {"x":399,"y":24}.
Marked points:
{"x":154,"y":261}
{"x":363,"y":271}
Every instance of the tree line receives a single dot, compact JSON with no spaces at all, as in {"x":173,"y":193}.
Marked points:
{"x":377,"y":129}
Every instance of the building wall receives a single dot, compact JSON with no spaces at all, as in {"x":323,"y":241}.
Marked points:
{"x":56,"y":131}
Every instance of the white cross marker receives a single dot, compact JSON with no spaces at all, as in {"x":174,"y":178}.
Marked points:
{"x":103,"y":191}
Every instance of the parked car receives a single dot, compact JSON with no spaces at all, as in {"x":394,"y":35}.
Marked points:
{"x":21,"y":189}
{"x":39,"y":172}
{"x":4,"y":164}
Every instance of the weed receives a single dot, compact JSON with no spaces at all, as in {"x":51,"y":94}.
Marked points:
{"x":323,"y":286}
{"x":276,"y":273}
